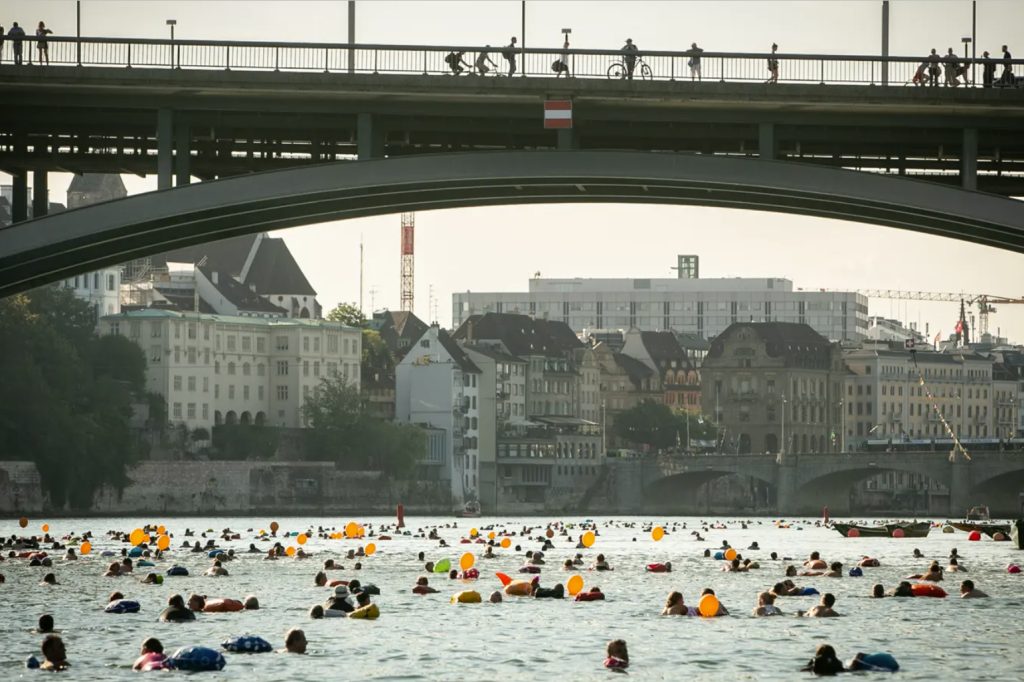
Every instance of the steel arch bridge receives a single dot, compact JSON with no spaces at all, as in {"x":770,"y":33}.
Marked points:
{"x":56,"y":246}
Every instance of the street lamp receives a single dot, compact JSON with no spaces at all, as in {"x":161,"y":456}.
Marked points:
{"x":966,"y":40}
{"x":172,"y":23}
{"x":782,"y":442}
{"x":842,"y":432}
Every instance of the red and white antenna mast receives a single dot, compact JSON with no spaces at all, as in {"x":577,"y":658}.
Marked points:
{"x":408,"y":256}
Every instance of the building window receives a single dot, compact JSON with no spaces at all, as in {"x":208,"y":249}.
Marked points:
{"x":247,"y":343}
{"x":332,"y":343}
{"x":176,"y":382}
{"x":246,"y":369}
{"x":316,"y":368}
{"x":231,"y":391}
{"x":282,"y":393}
{"x":316,"y":344}
{"x":231,"y":342}
{"x":282,"y":343}
{"x":206,"y":384}
{"x":155,"y":354}
{"x":305,"y":344}
{"x":216,"y":391}
{"x":176,"y":411}
{"x":261,"y":370}
{"x":190,"y":411}
{"x":305,"y":368}
{"x":261,"y":344}
{"x":191,"y":384}
{"x":282,"y":368}
{"x":259,"y":392}
{"x":231,"y":369}
{"x":245,"y":392}
{"x":206,"y":411}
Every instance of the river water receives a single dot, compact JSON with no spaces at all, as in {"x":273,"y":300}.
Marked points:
{"x":426,"y":637}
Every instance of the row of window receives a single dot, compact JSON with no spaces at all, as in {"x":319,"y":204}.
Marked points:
{"x":82,"y":282}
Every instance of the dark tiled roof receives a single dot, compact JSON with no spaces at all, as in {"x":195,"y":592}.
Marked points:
{"x":226,"y":255}
{"x":98,"y":182}
{"x":183,"y":300}
{"x":399,"y":329}
{"x":692,"y":341}
{"x":521,"y":335}
{"x":636,"y":370}
{"x":241,"y":296}
{"x":274,"y":271}
{"x":797,"y":344}
{"x":460,"y":357}
{"x":664,"y":348}
{"x":493,"y":353}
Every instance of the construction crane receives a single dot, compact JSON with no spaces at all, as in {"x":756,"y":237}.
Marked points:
{"x":986,"y":302}
{"x":408,"y":255}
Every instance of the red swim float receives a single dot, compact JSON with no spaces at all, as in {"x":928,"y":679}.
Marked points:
{"x":657,"y":568}
{"x":222,"y":606}
{"x":593,"y":595}
{"x":927,"y":590}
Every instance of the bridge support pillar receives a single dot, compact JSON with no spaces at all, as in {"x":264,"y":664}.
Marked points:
{"x":182,"y":155}
{"x":164,"y":148}
{"x":960,"y":484}
{"x":969,"y":159}
{"x":369,"y":137}
{"x":40,"y":194}
{"x":786,"y":502}
{"x":567,"y":139}
{"x":766,"y":144}
{"x":19,"y":200}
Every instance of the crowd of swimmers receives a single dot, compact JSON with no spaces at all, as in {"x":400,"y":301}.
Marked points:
{"x":353,"y":598}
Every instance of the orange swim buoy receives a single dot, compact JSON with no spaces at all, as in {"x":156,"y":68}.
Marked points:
{"x":927,"y":590}
{"x":222,"y":606}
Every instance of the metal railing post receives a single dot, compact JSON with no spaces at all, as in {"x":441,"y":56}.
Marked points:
{"x":375,"y":62}
{"x":822,"y":72}
{"x":424,"y":62}
{"x":327,"y":60}
{"x":227,"y":57}
{"x":721,"y":69}
{"x":129,"y":64}
{"x":277,"y":59}
{"x":672,"y":68}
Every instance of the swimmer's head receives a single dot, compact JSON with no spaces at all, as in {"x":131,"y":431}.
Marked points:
{"x":251,"y":603}
{"x":45,"y":623}
{"x":878,"y":591}
{"x":495,"y":597}
{"x":152,"y":646}
{"x":316,"y":612}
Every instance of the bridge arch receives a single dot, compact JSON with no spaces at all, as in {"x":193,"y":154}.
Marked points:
{"x":832,"y":488}
{"x":54,"y":247}
{"x":681,"y":492}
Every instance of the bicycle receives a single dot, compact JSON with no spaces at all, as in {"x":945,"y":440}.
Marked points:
{"x":618,"y":70}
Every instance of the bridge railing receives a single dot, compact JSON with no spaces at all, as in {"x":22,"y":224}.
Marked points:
{"x":433,"y":60}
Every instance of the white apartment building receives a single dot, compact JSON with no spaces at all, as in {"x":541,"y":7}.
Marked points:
{"x":885,"y":399}
{"x":702,"y":307}
{"x":438,"y":386}
{"x":217,"y":369}
{"x":100,"y":289}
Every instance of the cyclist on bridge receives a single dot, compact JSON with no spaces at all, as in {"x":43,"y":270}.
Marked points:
{"x":629,"y":52}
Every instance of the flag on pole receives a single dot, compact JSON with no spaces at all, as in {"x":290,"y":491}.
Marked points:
{"x":558,"y":113}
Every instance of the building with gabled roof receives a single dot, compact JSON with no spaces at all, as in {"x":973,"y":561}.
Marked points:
{"x":399,"y":329}
{"x":677,"y":378}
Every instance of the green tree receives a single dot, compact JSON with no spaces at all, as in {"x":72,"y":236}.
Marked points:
{"x":341,"y":430}
{"x":648,"y":423}
{"x":378,"y":364}
{"x":66,"y":395}
{"x":349,"y":314}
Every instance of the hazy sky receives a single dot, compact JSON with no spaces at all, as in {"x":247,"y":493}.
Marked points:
{"x":498,"y":249}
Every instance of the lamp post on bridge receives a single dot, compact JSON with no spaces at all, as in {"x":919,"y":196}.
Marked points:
{"x":782,"y":441}
{"x":172,"y":23}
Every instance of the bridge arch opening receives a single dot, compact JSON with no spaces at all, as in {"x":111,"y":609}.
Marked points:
{"x":876,"y":489}
{"x":710,"y":491}
{"x":1002,"y":493}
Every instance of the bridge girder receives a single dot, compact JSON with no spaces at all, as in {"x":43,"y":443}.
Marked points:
{"x":57,"y":246}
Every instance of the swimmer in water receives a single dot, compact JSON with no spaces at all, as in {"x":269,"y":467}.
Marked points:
{"x":49,"y":579}
{"x":217,"y":569}
{"x":618,"y":655}
{"x":835,"y":570}
{"x":824,"y":608}
{"x":766,"y":605}
{"x":295,"y":641}
{"x":151,"y":656}
{"x":251,"y":603}
{"x":674,"y":605}
{"x":825,"y":661}
{"x":917,"y":554}
{"x":320,"y":579}
{"x":969,"y":591}
{"x":813,"y":559}
{"x":722,"y":611}
{"x":903,"y":590}
{"x":55,"y":654}
{"x":495,"y":597}
{"x":422,"y":586}
{"x":878,"y":591}
{"x":113,"y":570}
{"x":196,"y":602}
{"x":317,"y":612}
{"x":933,"y":574}
{"x":601,"y":564}
{"x":45,"y":624}
{"x":955,"y":567}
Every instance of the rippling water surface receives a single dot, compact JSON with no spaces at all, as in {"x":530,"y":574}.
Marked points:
{"x":429,"y":638}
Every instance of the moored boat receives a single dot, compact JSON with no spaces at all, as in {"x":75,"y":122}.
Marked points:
{"x":470,"y":511}
{"x":989,"y":529}
{"x":888,"y":530}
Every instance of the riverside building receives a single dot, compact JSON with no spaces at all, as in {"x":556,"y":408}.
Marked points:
{"x":686,"y":304}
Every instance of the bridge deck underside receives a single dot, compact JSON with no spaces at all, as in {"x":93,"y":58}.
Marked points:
{"x":61,"y":124}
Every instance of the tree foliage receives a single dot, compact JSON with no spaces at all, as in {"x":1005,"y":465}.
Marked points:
{"x":342,"y":430}
{"x":656,"y":425}
{"x":378,"y":364}
{"x":348,"y":314}
{"x":66,"y":395}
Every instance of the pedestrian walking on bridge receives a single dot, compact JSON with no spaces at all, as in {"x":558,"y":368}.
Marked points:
{"x":629,"y":52}
{"x":773,"y":65}
{"x":509,"y":53}
{"x":17,"y":35}
{"x":44,"y":52}
{"x":694,"y":61}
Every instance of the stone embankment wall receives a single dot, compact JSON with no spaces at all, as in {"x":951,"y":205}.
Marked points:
{"x":21,"y":490}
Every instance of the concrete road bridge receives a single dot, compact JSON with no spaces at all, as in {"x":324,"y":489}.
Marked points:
{"x":361,"y":129}
{"x":803,"y":484}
